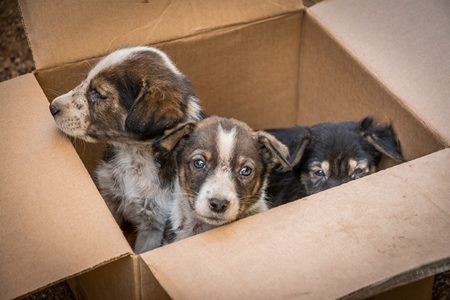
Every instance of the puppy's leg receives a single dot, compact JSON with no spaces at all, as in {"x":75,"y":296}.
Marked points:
{"x":148,"y":238}
{"x":150,"y":228}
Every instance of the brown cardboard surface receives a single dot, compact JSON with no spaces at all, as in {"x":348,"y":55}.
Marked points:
{"x":62,"y":32}
{"x":336,"y":86}
{"x":248,"y":72}
{"x":54,"y":222}
{"x":150,"y":288}
{"x":117,"y":280}
{"x":404,"y":45}
{"x":243,"y":58}
{"x":364,"y":233}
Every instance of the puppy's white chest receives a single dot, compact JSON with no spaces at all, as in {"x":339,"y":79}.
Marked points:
{"x":132,"y":179}
{"x":139,"y":174}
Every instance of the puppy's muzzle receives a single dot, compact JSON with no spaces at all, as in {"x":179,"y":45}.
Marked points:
{"x":218,"y":205}
{"x":54,"y":109}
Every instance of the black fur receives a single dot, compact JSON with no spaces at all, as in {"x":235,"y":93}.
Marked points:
{"x":335,"y":143}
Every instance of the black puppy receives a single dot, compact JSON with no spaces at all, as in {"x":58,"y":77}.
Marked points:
{"x":330,"y":154}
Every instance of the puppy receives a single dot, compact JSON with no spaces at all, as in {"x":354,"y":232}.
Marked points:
{"x":128,"y":100}
{"x":223,"y":168}
{"x":330,"y":154}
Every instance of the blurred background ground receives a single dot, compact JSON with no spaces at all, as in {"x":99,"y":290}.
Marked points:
{"x":15,"y":56}
{"x":16,"y":59}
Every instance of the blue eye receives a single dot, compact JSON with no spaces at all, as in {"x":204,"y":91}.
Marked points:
{"x":246,"y":171}
{"x":95,"y":96}
{"x":199,"y":164}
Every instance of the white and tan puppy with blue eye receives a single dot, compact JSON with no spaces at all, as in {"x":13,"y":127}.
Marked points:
{"x":223,"y":167}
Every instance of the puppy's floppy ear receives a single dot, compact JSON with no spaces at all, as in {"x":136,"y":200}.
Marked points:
{"x":382,"y":137}
{"x":172,"y":140}
{"x":156,"y":108}
{"x":298,"y":145}
{"x":274,"y":152}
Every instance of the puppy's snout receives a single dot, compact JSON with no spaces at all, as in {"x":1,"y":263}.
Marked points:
{"x":218,"y":205}
{"x":54,"y":109}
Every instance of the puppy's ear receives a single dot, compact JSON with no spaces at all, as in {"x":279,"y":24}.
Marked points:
{"x":274,"y":152}
{"x":172,"y":140}
{"x":383,"y":138}
{"x":298,"y":145}
{"x":155,"y":109}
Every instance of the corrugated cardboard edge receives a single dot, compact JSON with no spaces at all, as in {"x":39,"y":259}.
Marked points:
{"x":376,"y":79}
{"x":149,"y":286}
{"x":210,"y":245}
{"x":135,"y":278}
{"x":47,"y":252}
{"x":72,"y":277}
{"x":400,"y":280}
{"x":102,"y":282}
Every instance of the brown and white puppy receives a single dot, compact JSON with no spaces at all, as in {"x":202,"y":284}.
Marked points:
{"x":330,"y":154}
{"x":223,"y":168}
{"x":128,"y":100}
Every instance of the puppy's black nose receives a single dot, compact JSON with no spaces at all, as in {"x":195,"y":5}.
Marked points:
{"x":53,"y":109}
{"x":218,"y":205}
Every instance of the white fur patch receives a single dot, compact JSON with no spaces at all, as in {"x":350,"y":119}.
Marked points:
{"x":72,"y":119}
{"x":220,"y":184}
{"x":226,"y":141}
{"x":121,"y":55}
{"x":194,"y":110}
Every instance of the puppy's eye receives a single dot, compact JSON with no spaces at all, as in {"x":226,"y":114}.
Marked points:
{"x":246,"y":171}
{"x":359,"y":171}
{"x":319,"y":173}
{"x":199,"y":164}
{"x":95,"y":96}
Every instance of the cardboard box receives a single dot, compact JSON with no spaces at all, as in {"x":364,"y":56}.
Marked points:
{"x":270,"y":64}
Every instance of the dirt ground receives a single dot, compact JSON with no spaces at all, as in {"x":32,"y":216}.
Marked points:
{"x":16,"y":59}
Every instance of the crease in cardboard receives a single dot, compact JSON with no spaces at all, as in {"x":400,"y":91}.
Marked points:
{"x":153,"y":25}
{"x":339,"y":41}
{"x":414,"y":275}
{"x":172,"y":290}
{"x":192,"y":34}
{"x":137,"y":276}
{"x":149,"y":284}
{"x":279,"y":5}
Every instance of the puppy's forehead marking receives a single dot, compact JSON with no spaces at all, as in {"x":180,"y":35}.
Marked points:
{"x":353,"y":164}
{"x":119,"y":56}
{"x":226,"y":141}
{"x":326,"y":166}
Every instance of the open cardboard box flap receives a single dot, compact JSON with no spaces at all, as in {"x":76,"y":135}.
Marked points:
{"x":402,"y":44}
{"x":54,"y":222}
{"x":377,"y":232}
{"x":63,"y":32}
{"x":268,"y":64}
